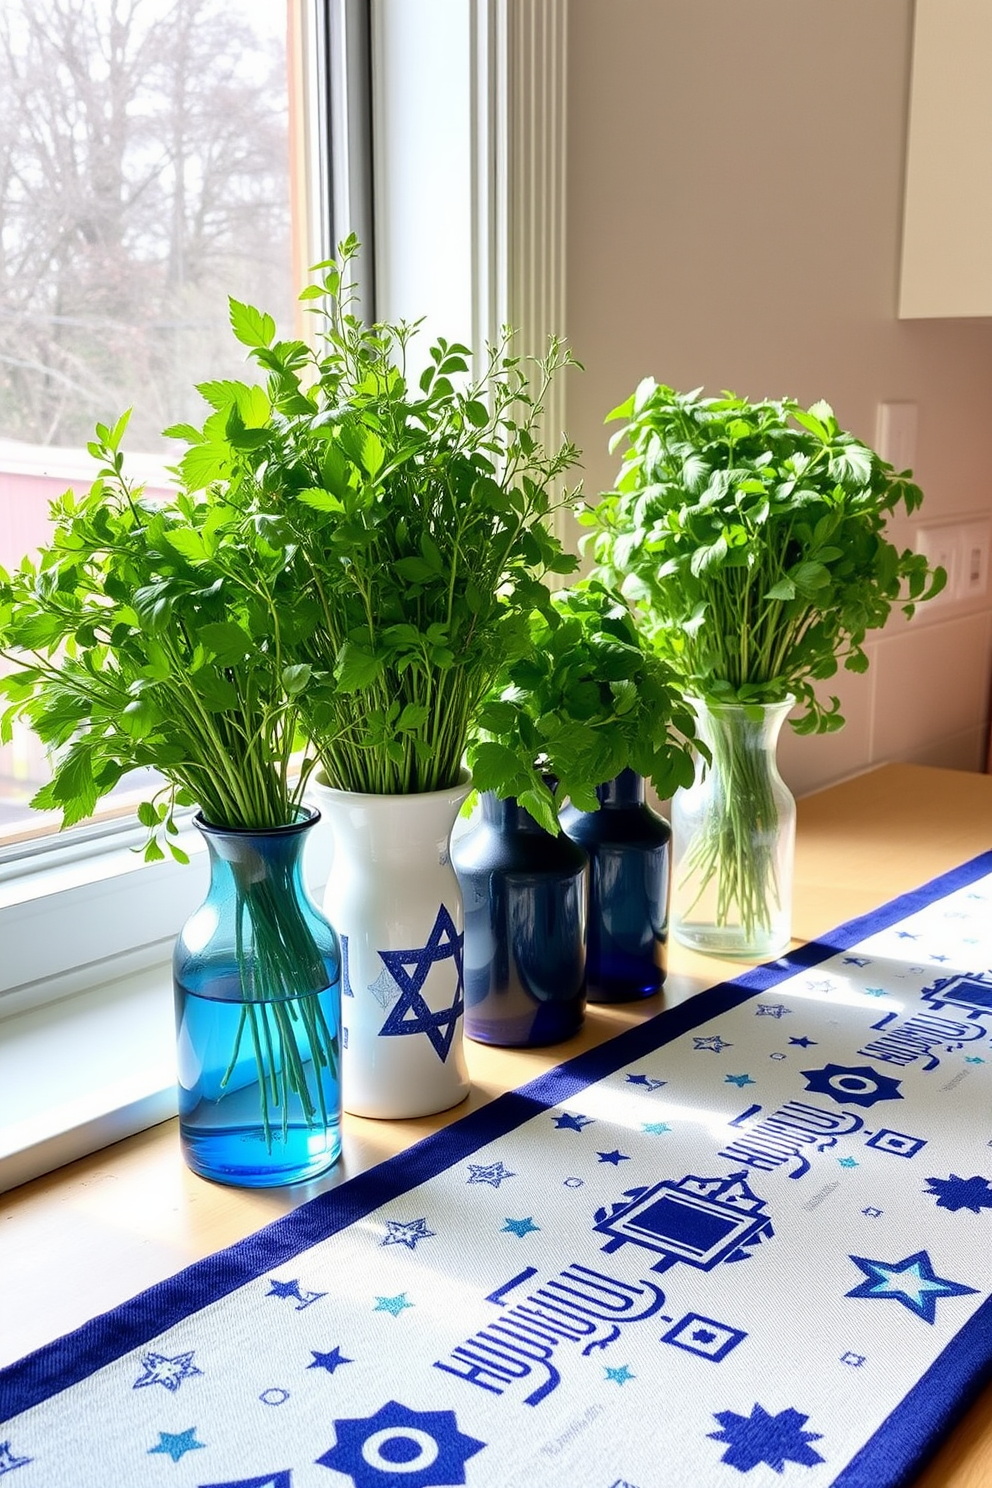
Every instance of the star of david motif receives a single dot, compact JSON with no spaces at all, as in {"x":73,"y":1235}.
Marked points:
{"x":410,"y":1014}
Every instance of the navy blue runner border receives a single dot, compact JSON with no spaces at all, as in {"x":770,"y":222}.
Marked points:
{"x":898,"y":1447}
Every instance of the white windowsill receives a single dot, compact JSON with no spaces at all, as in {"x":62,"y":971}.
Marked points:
{"x":88,"y":1042}
{"x":104,"y":1069}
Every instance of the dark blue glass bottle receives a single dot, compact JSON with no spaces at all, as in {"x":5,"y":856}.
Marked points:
{"x":525,"y":897}
{"x":629,"y":847}
{"x":258,"y":1014}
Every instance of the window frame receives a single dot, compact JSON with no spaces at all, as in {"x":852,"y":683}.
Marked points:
{"x":86,"y":926}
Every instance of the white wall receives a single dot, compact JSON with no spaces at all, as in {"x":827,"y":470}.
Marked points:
{"x":734,"y":219}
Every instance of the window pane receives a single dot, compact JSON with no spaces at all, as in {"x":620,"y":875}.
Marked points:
{"x":144,"y":176}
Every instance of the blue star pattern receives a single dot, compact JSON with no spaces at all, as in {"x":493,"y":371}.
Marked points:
{"x":646,"y":1081}
{"x":9,"y":1459}
{"x":848,"y":1162}
{"x":176,"y":1444}
{"x":621,"y":1375}
{"x":804,"y":1043}
{"x":655,"y":1128}
{"x":396,"y":1444}
{"x":411,"y":1014}
{"x":291,"y":1289}
{"x":408,"y":1234}
{"x":160,"y":1370}
{"x":954,"y":1193}
{"x":520,"y":1227}
{"x":393,"y":1305}
{"x":329,"y":1361}
{"x":852,"y":1085}
{"x":911,"y":1281}
{"x":714,"y":1043}
{"x":761,"y":1437}
{"x":771,"y":1010}
{"x":739,"y":1080}
{"x":572,"y":1121}
{"x":855,"y":961}
{"x":616,"y":1157}
{"x":492,"y":1173}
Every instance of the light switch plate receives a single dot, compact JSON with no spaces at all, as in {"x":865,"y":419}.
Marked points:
{"x":895,"y":434}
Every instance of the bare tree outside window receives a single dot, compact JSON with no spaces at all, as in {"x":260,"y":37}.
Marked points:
{"x":144,"y":177}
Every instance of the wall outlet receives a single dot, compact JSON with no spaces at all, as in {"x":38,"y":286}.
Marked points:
{"x":973,"y":568}
{"x":963,"y":549}
{"x":939,"y":545}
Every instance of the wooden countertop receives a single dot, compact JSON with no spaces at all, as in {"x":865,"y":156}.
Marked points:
{"x":87,"y":1237}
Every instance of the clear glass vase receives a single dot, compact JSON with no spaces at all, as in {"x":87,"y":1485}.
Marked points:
{"x":258,"y":1004}
{"x":734,"y":835}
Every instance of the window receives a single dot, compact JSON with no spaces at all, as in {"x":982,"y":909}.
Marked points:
{"x":145,"y":174}
{"x":213,"y":147}
{"x":155,"y":156}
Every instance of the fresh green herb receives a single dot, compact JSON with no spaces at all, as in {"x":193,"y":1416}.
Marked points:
{"x":147,"y":636}
{"x":750,"y":540}
{"x":414,"y":508}
{"x":582,"y":699}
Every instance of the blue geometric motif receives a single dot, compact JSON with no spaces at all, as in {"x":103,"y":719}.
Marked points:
{"x":411,"y":1013}
{"x":329,"y":1361}
{"x":954,"y":1193}
{"x":852,"y":1085}
{"x":397,"y":1444}
{"x":291,"y":1289}
{"x":898,"y":1144}
{"x":8,"y":1461}
{"x":703,"y":1336}
{"x":702,"y":1221}
{"x":911,"y":1281}
{"x":971,"y":992}
{"x":492,"y":1173}
{"x":176,"y":1444}
{"x":760,"y":1437}
{"x":408,"y":1233}
{"x":282,"y":1479}
{"x":160,"y":1370}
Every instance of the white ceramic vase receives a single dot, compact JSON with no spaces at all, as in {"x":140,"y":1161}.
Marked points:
{"x":393,"y":898}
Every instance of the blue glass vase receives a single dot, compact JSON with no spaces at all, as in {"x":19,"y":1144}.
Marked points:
{"x":258,"y":1008}
{"x":629,"y":847}
{"x":524,"y":894}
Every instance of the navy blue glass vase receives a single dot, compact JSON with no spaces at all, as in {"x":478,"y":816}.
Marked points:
{"x":258,"y":1011}
{"x":525,"y":897}
{"x":629,"y":847}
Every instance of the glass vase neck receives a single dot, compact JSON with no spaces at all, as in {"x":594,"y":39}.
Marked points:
{"x":625,"y":789}
{"x":508,"y":815}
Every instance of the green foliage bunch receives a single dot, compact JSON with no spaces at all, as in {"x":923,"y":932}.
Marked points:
{"x":147,"y":635}
{"x":750,"y":537}
{"x":583,"y":698}
{"x":414,"y":511}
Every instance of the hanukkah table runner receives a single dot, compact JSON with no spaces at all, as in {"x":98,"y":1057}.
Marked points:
{"x":746,"y":1242}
